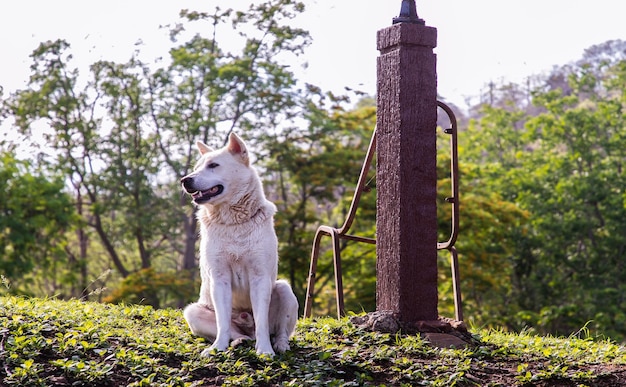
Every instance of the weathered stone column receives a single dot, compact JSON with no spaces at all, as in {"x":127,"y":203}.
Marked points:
{"x":406,"y":170}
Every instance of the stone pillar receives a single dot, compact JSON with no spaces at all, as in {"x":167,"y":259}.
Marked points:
{"x":406,"y":171}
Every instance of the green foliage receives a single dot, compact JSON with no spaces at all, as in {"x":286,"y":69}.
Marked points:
{"x":309,"y":172}
{"x":542,"y":181}
{"x":488,"y":223}
{"x":562,"y":164}
{"x":45,"y":342}
{"x":35,"y":214}
{"x":122,"y":135}
{"x":137,"y":287}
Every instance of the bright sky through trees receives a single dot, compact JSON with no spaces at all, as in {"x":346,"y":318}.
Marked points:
{"x":478,"y":41}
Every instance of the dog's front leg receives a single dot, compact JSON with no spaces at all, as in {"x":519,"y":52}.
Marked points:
{"x":260,"y":296}
{"x":221,"y":294}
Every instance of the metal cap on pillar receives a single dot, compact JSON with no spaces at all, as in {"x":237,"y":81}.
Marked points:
{"x":408,"y":14}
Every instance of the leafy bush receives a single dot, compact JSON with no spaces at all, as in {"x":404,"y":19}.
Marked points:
{"x":154,"y":288}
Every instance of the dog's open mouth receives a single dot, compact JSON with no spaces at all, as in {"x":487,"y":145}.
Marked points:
{"x":203,"y":196}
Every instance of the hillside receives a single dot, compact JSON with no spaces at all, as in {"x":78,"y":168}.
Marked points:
{"x":57,"y":343}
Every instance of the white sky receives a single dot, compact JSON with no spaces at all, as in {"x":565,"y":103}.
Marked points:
{"x":478,"y":41}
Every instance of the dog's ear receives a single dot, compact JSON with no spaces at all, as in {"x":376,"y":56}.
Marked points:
{"x":237,"y":147}
{"x":203,"y":148}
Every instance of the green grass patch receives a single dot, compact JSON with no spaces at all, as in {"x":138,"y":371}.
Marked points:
{"x":46,"y":342}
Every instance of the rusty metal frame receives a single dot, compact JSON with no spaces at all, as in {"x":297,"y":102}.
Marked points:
{"x":342,"y":233}
{"x":454,"y":200}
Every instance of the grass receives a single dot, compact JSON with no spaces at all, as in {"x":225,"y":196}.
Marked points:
{"x":46,"y":342}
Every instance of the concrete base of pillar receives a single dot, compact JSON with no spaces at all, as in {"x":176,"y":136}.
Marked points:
{"x":441,"y":333}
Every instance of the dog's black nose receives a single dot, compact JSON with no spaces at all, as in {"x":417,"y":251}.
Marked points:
{"x":187,"y":182}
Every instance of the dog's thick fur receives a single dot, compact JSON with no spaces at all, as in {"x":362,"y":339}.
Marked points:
{"x":238,"y":255}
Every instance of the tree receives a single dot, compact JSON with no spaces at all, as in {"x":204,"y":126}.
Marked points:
{"x":309,"y":171}
{"x":35,"y":216}
{"x":207,"y":91}
{"x":580,"y":215}
{"x":124,"y":136}
{"x":76,"y":135}
{"x":562,"y":165}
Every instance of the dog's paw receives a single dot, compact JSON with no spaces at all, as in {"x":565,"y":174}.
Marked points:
{"x":239,"y":341}
{"x":215,"y":347}
{"x":281,"y":345}
{"x":208,"y":352}
{"x":212,"y":350}
{"x":265,"y":351}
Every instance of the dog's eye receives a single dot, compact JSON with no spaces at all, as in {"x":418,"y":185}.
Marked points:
{"x":212,"y":165}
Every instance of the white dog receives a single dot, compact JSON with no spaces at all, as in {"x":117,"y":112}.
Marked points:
{"x":238,"y":255}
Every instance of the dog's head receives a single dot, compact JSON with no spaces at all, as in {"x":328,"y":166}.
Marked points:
{"x":218,"y":173}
